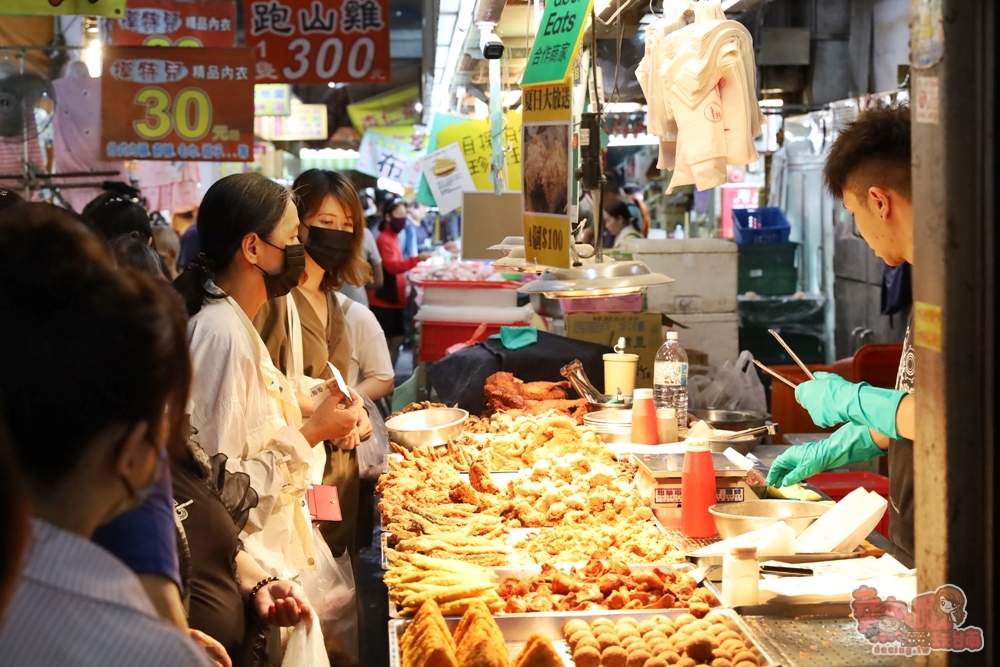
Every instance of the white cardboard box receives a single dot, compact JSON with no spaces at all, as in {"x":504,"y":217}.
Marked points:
{"x":715,"y":334}
{"x":704,"y":273}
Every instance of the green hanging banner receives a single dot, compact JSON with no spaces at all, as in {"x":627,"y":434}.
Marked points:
{"x":557,"y":42}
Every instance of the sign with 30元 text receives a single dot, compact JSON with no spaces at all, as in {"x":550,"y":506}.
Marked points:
{"x":177,"y":104}
{"x":176,"y":23}
{"x":310,"y":42}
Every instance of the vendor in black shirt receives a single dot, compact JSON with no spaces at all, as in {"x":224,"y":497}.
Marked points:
{"x":869,"y":168}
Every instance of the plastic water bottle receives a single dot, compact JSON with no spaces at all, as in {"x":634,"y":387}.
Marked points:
{"x":670,"y":378}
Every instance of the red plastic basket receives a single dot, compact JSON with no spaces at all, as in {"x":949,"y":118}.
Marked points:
{"x":437,"y":337}
{"x":839,"y":484}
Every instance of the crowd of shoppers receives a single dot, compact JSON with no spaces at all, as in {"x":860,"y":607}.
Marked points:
{"x":162,"y":517}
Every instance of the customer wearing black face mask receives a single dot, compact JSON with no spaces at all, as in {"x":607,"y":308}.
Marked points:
{"x":307,"y":329}
{"x":389,"y":301}
{"x":241,"y":405}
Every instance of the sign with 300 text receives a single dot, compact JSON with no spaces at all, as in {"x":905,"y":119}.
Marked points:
{"x":308,"y":41}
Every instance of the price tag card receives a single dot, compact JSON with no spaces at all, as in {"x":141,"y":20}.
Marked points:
{"x":305,"y":41}
{"x":546,"y":172}
{"x":177,"y":104}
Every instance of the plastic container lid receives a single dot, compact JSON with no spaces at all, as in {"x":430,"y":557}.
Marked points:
{"x":640,"y":394}
{"x":672,"y":335}
{"x":743,"y":551}
{"x":696,"y":444}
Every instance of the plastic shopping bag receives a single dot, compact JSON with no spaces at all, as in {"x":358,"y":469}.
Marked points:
{"x":735,"y":387}
{"x":477,"y":337}
{"x":331,"y":592}
{"x":305,"y":646}
{"x":372,"y":452}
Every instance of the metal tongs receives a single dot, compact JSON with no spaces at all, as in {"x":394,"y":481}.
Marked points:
{"x":771,"y":429}
{"x":573,"y":371}
{"x":795,"y":358}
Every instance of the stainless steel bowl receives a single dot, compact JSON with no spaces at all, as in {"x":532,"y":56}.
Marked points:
{"x":742,"y":445}
{"x":734,"y":519}
{"x":732,"y":420}
{"x":432,"y":427}
{"x":612,"y":425}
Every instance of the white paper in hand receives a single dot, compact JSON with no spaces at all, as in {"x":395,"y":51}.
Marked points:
{"x":322,"y":391}
{"x":771,"y":541}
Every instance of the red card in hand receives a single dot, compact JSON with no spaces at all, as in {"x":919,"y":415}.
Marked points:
{"x":324,"y":503}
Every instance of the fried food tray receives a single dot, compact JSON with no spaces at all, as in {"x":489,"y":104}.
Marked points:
{"x":528,"y":571}
{"x":813,"y":635}
{"x":516,"y":629}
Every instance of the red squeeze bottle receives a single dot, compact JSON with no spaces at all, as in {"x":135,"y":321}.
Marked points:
{"x":697,"y":490}
{"x":644,"y":431}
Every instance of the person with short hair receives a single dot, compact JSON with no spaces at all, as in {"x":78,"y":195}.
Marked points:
{"x":869,"y":169}
{"x":87,"y":455}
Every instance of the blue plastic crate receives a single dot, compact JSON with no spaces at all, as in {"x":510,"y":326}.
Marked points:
{"x":760,"y":225}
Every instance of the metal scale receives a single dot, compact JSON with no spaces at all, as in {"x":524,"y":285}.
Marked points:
{"x":659,"y":479}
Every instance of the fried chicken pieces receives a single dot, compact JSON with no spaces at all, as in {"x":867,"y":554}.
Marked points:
{"x":505,"y":393}
{"x":603,"y":585}
{"x":477,"y":642}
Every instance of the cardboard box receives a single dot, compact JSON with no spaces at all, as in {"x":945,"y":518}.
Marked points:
{"x":643,"y":334}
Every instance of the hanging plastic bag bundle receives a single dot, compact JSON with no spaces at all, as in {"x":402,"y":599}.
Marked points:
{"x":735,"y":387}
{"x":305,"y":646}
{"x":331,"y":591}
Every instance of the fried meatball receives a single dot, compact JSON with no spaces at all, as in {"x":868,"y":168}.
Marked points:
{"x":728,"y":634}
{"x":688,"y":628}
{"x":574,"y":626}
{"x":684,"y":619}
{"x":626,"y":621}
{"x":721,"y":662}
{"x":637,"y":658}
{"x":715,"y":617}
{"x":590,"y":641}
{"x":629,"y":641}
{"x":574,"y":638}
{"x":670,"y":655}
{"x":650,"y":636}
{"x":587,"y":656}
{"x":744,"y":656}
{"x":679,"y":641}
{"x":607,"y":639}
{"x":745,"y":663}
{"x":614,"y":656}
{"x":626,"y":631}
{"x":647,"y":626}
{"x":656,"y":662}
{"x":686,"y":662}
{"x":717,"y":629}
{"x":702,"y":624}
{"x":699,"y":609}
{"x":733,"y":645}
{"x":722,"y":653}
{"x":667,"y":629}
{"x":700,"y":647}
{"x":601,"y":621}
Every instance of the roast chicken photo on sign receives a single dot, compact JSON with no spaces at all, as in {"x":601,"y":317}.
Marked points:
{"x":546,"y":169}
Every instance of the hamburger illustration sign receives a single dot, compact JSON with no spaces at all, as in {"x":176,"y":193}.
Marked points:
{"x":447,"y":176}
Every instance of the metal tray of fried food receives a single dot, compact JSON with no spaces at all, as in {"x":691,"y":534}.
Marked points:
{"x":529,"y":571}
{"x":517,"y":628}
{"x":814,"y":635}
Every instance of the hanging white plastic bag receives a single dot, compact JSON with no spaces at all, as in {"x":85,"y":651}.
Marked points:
{"x":735,"y":387}
{"x":331,"y":592}
{"x":372,"y":452}
{"x":305,"y":646}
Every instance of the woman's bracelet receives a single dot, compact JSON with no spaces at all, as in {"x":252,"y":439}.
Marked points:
{"x":260,"y":584}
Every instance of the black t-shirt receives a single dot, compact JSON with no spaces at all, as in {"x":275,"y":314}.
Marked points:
{"x":901,"y":460}
{"x":217,"y":608}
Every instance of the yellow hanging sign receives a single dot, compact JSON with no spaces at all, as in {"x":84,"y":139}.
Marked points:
{"x":473,"y":137}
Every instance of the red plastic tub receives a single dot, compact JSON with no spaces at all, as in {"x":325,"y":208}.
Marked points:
{"x":437,"y":337}
{"x":839,"y":484}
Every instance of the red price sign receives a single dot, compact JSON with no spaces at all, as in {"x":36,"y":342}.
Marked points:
{"x":176,"y":23}
{"x":308,"y":41}
{"x":177,"y":104}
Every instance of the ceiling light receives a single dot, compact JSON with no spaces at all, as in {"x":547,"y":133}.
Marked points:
{"x":729,"y":4}
{"x":771,"y":103}
{"x":92,"y":58}
{"x":599,"y":279}
{"x":623,"y":107}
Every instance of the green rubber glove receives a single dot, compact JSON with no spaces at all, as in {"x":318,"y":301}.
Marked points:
{"x":851,"y":443}
{"x":832,"y":400}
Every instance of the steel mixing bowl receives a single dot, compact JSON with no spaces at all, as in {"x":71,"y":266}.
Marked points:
{"x":731,"y":420}
{"x":432,"y":427}
{"x":734,"y":519}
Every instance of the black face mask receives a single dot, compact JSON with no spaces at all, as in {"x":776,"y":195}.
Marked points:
{"x":280,"y":284}
{"x":330,"y":248}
